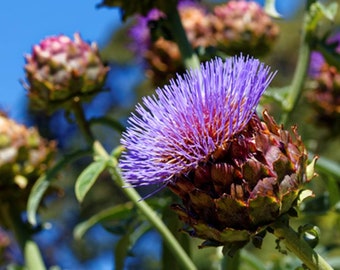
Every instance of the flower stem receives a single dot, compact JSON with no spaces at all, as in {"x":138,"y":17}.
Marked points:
{"x":176,"y":249}
{"x":81,"y":121}
{"x":301,"y":68}
{"x":298,"y":246}
{"x":189,"y":57}
{"x":31,"y":252}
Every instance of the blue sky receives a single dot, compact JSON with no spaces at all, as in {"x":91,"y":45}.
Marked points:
{"x":25,"y":23}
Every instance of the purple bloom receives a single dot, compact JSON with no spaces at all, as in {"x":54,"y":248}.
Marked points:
{"x":316,"y":63}
{"x":140,"y":33}
{"x":179,"y":127}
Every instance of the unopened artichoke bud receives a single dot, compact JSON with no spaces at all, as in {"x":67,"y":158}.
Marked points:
{"x":243,"y":26}
{"x":324,"y":94}
{"x":201,"y":137}
{"x":24,"y":156}
{"x":60,"y":69}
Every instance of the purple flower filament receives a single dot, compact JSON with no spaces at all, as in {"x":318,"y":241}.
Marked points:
{"x":180,"y":126}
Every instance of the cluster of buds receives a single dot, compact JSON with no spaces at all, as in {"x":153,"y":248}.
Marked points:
{"x":234,"y":27}
{"x":60,"y":69}
{"x":201,"y":137}
{"x":24,"y":156}
{"x":162,"y":55}
{"x":325,"y":92}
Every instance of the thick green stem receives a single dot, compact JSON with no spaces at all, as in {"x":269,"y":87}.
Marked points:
{"x":81,"y":121}
{"x":298,"y":246}
{"x":301,"y":68}
{"x":173,"y":245}
{"x":31,"y":252}
{"x":189,"y":57}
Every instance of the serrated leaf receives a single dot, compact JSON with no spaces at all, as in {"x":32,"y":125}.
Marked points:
{"x":88,"y":177}
{"x":44,"y":182}
{"x":117,"y":212}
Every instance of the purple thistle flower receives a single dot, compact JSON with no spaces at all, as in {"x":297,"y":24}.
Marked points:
{"x":179,"y":127}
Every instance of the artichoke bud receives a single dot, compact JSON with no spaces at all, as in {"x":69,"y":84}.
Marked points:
{"x":243,"y":26}
{"x":60,"y":69}
{"x":23,"y":158}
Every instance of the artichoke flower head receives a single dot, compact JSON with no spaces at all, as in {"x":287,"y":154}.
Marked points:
{"x":200,"y":136}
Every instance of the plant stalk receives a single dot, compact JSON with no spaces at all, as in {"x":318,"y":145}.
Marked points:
{"x":189,"y":57}
{"x":301,"y":68}
{"x":81,"y":121}
{"x":298,"y":246}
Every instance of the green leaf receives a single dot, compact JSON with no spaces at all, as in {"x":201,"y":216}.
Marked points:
{"x":333,"y":191}
{"x":319,"y":11}
{"x":121,"y":251}
{"x":33,"y":258}
{"x":44,"y":182}
{"x":88,"y":177}
{"x":127,"y":242}
{"x":117,"y":212}
{"x":275,"y":94}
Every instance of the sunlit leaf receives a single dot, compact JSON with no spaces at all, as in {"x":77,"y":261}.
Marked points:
{"x":44,"y":182}
{"x":88,"y":177}
{"x":319,"y":11}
